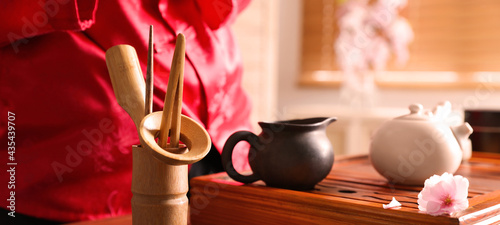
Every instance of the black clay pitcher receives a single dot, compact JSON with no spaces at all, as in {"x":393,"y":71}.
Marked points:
{"x":293,"y":154}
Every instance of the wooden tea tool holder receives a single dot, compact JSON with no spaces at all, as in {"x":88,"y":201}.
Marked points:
{"x":160,"y":171}
{"x":160,"y":177}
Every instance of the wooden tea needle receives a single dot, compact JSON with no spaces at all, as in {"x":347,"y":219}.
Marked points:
{"x":170,"y":123}
{"x":149,"y":75}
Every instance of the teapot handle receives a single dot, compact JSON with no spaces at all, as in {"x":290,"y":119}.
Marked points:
{"x":227,"y":153}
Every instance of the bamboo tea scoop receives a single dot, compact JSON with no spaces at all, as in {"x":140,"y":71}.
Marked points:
{"x":127,"y":80}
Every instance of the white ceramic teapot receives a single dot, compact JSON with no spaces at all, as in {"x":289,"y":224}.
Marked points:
{"x":411,"y":148}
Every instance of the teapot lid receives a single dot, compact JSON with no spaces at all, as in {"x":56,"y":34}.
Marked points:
{"x":416,"y":113}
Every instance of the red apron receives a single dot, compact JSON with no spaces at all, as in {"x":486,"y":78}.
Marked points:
{"x":72,"y":140}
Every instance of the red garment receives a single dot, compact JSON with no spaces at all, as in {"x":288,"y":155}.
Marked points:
{"x":72,"y":140}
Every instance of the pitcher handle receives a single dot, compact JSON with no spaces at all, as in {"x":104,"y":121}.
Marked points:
{"x":227,"y":156}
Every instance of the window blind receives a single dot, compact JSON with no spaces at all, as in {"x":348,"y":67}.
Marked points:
{"x":451,"y":37}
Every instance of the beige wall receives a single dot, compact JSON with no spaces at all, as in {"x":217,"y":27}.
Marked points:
{"x":256,"y":34}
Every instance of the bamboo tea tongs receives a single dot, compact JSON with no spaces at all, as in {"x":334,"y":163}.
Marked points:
{"x":171,"y":121}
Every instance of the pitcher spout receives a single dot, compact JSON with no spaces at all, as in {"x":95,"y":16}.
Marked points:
{"x":330,"y":120}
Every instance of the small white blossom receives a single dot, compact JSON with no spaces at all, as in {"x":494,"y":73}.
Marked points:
{"x":393,"y":204}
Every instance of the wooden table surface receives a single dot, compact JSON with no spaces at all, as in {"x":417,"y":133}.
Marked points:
{"x":353,"y":193}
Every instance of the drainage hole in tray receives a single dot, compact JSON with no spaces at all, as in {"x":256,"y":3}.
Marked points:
{"x":347,"y":191}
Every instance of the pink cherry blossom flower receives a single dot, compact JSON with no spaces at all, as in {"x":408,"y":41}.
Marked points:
{"x":370,"y":32}
{"x":444,"y":194}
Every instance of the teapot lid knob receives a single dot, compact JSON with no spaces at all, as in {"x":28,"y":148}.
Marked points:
{"x":416,"y":108}
{"x":417,"y":112}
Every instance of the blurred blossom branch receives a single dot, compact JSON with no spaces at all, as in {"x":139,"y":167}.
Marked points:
{"x":369,"y":32}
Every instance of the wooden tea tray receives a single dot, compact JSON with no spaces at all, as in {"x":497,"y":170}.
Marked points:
{"x":353,"y":193}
